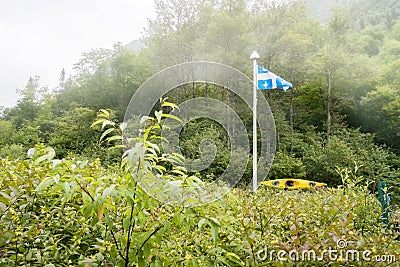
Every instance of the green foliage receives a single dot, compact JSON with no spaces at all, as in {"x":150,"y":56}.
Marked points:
{"x":28,"y":105}
{"x":320,"y":162}
{"x":75,"y":213}
{"x":27,"y":136}
{"x":41,"y":229}
{"x":380,"y":113}
{"x":194,"y":135}
{"x":71,"y":132}
{"x":104,"y":79}
{"x":287,"y":166}
{"x":12,"y":151}
{"x":7,"y":132}
{"x":68,"y":210}
{"x":359,"y":62}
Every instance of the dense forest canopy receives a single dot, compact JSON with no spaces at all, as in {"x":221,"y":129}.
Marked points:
{"x":344,"y":108}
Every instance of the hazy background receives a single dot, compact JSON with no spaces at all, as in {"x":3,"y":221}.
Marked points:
{"x":42,"y":37}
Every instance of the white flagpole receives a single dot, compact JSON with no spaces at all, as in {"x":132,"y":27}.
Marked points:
{"x":254,"y":56}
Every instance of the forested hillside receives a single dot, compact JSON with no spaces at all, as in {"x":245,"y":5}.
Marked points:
{"x":70,"y":202}
{"x":321,"y":10}
{"x":340,"y":70}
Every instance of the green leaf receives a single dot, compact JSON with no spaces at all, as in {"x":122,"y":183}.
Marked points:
{"x":178,"y":172}
{"x":41,"y":159}
{"x":146,"y":250}
{"x":87,"y":210}
{"x":108,"y":191}
{"x":169,"y":104}
{"x":116,"y":147}
{"x":123,"y":126}
{"x":3,"y":206}
{"x":160,"y":168}
{"x":55,"y":163}
{"x":201,"y":223}
{"x":109,"y":221}
{"x":107,"y":122}
{"x":214,"y":225}
{"x":115,"y":137}
{"x":214,"y":232}
{"x":44,"y":184}
{"x":158,"y":115}
{"x":141,"y":259}
{"x":67,"y":190}
{"x":234,"y":258}
{"x":154,"y":146}
{"x":4,"y":196}
{"x":97,"y":122}
{"x":194,"y":263}
{"x":224,"y":261}
{"x":136,"y":153}
{"x":172,"y":117}
{"x":144,"y":119}
{"x":159,"y":137}
{"x":104,"y":113}
{"x":214,"y":220}
{"x":105,"y":133}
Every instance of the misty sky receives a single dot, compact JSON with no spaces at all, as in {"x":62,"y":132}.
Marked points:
{"x":41,"y":37}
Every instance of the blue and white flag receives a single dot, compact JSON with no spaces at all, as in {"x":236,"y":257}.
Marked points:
{"x":267,"y":80}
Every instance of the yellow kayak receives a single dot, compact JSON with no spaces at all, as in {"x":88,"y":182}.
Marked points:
{"x":292,"y":183}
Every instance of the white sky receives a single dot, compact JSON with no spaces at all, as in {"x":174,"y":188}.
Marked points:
{"x":41,"y":37}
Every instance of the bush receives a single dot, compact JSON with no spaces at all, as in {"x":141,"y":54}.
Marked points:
{"x":41,"y":229}
{"x":12,"y":151}
{"x":64,"y":226}
{"x":286,"y":166}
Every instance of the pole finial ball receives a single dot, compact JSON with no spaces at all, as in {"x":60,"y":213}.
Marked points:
{"x":254,"y":55}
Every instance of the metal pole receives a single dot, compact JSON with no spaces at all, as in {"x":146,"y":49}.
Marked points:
{"x":254,"y":56}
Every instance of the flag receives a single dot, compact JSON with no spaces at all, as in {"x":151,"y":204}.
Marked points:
{"x":267,"y":80}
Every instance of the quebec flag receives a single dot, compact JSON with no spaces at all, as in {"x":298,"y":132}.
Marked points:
{"x":267,"y":80}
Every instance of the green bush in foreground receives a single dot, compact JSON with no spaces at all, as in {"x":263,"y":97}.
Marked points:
{"x":69,"y":228}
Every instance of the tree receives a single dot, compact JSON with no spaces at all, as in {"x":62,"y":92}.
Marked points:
{"x":6,"y":133}
{"x":380,"y":111}
{"x":226,"y":33}
{"x":28,"y":105}
{"x":171,"y":37}
{"x":105,"y":79}
{"x":61,"y":84}
{"x":72,"y":133}
{"x":332,"y":59}
{"x":298,"y":38}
